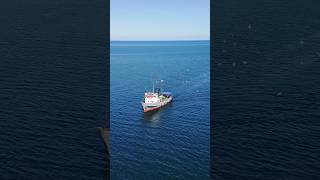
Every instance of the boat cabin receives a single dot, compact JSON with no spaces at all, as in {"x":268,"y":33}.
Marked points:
{"x":151,"y":98}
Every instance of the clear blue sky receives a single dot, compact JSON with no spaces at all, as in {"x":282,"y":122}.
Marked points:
{"x":160,"y":19}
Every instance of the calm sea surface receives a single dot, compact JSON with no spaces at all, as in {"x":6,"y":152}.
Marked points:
{"x":266,"y":87}
{"x":52,"y":89}
{"x":172,"y":143}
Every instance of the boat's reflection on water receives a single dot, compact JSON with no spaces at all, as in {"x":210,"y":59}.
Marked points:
{"x":153,"y":118}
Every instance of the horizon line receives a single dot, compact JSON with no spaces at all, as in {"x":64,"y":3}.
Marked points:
{"x":164,"y":40}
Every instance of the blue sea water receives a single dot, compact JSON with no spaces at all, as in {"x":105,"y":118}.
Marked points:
{"x":266,"y":89}
{"x":174,"y":142}
{"x":52,"y":89}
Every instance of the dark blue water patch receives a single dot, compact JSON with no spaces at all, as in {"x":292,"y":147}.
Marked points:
{"x":172,"y":143}
{"x":266,"y":90}
{"x":53,"y":84}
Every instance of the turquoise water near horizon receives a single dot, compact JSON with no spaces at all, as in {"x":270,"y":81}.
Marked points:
{"x":174,"y":142}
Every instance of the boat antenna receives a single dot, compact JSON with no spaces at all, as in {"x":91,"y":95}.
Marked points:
{"x":153,"y":86}
{"x":162,"y":86}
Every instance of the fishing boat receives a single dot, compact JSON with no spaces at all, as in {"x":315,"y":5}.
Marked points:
{"x":157,"y":98}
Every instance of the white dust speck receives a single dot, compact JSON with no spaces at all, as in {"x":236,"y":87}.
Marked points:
{"x":244,"y":62}
{"x":234,"y":64}
{"x":279,"y":93}
{"x":249,"y":26}
{"x":301,"y":42}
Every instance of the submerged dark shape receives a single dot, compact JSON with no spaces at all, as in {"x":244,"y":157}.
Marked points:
{"x":104,"y":133}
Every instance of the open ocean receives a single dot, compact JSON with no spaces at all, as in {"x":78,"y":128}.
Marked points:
{"x":52,"y":89}
{"x":266,"y":89}
{"x":174,"y":142}
{"x":266,"y":78}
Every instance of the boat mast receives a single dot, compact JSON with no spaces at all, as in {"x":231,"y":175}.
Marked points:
{"x":153,"y":86}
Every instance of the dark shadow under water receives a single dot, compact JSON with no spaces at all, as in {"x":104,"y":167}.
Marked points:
{"x":104,"y":134}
